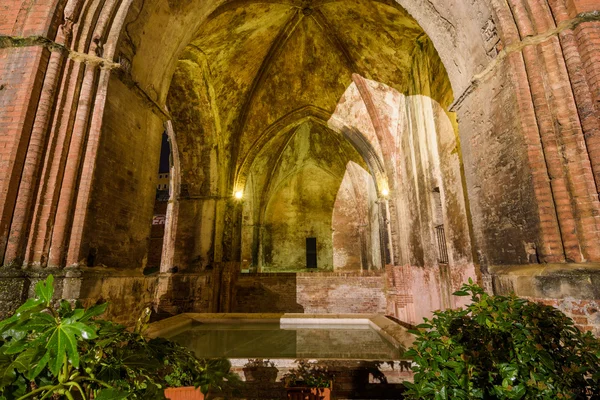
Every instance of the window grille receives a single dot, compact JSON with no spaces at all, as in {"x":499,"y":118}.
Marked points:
{"x":442,"y":249}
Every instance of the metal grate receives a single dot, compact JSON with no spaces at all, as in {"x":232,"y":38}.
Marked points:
{"x":442,"y":249}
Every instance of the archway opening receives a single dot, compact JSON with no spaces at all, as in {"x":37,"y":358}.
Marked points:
{"x":260,"y":169}
{"x":161,"y":201}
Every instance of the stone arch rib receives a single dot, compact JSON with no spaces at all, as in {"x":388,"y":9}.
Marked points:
{"x":282,"y":37}
{"x":285,"y":124}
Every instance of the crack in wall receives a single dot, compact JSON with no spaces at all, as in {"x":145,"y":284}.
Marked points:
{"x":518,"y":47}
{"x":88,"y":59}
{"x":446,"y":20}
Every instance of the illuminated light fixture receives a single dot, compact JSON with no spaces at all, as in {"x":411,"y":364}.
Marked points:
{"x":239,"y":194}
{"x":385,"y":192}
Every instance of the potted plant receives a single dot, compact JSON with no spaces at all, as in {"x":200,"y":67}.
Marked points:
{"x":49,"y":351}
{"x":212,"y":374}
{"x":260,"y":370}
{"x":308,"y":381}
{"x":503,"y":347}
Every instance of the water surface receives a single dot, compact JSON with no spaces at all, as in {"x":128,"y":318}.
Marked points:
{"x":268,"y":340}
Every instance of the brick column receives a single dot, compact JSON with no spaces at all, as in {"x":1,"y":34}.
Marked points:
{"x":22,"y":71}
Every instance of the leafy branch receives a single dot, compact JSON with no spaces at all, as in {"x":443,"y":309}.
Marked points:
{"x":48,"y":351}
{"x":503,"y":347}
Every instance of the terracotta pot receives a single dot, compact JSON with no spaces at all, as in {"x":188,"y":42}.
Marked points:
{"x":307,"y":393}
{"x":184,"y":393}
{"x":260,"y":374}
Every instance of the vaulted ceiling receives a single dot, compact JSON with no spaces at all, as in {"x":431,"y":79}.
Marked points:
{"x":266,"y":65}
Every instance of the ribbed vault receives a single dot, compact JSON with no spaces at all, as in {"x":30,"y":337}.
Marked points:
{"x":254,"y":75}
{"x":263,"y":62}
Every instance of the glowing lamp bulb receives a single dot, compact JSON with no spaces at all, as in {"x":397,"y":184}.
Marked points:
{"x":239,"y":194}
{"x":385,"y":192}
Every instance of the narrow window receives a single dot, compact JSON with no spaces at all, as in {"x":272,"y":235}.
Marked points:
{"x":311,"y":252}
{"x":438,"y":223}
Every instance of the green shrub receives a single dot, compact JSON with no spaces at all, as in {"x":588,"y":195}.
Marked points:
{"x":308,"y":374}
{"x":503,"y":348}
{"x":48,"y":351}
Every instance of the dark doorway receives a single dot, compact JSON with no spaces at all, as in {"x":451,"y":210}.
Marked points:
{"x":311,"y":252}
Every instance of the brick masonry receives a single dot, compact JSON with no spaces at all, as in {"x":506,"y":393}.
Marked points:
{"x":318,"y":293}
{"x":585,"y":313}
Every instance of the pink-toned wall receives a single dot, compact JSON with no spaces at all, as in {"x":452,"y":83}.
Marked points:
{"x":318,"y":292}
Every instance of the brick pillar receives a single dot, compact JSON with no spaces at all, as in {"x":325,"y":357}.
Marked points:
{"x":22,"y":70}
{"x":563,"y":136}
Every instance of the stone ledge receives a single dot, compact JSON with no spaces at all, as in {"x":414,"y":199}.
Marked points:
{"x":393,"y":332}
{"x":548,"y":281}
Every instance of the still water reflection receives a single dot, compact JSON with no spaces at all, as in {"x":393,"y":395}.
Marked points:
{"x":268,"y":340}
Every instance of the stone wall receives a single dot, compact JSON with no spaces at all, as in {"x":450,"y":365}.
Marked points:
{"x":127,"y":292}
{"x":318,"y":292}
{"x":572,"y":288}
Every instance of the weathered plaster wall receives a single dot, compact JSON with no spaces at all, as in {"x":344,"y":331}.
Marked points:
{"x":355,"y":222}
{"x":317,"y":292}
{"x":291,"y":196}
{"x":504,"y":210}
{"x":202,"y":167}
{"x":157,"y":235}
{"x":299,"y":209}
{"x":418,"y":147}
{"x":572,"y":288}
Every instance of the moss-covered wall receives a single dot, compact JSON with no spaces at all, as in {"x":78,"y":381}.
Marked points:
{"x":293,"y":195}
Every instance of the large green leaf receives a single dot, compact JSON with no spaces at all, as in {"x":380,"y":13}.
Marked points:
{"x":7,"y":324}
{"x":27,"y":359}
{"x":15,"y":346}
{"x":7,"y":372}
{"x":38,"y":323}
{"x":62,"y":347}
{"x":79,"y":329}
{"x":63,"y":343}
{"x":93,"y":312}
{"x":45,"y":289}
{"x":22,"y":363}
{"x":22,"y":313}
{"x":39,"y":366}
{"x":31,"y":305}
